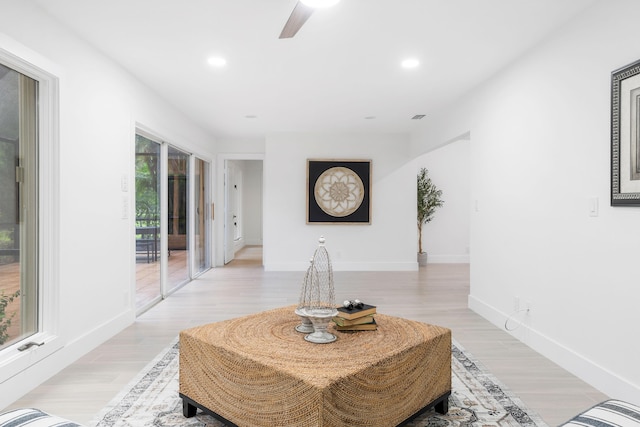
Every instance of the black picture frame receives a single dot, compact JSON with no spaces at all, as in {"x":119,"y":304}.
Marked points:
{"x":338,"y":191}
{"x":625,"y":135}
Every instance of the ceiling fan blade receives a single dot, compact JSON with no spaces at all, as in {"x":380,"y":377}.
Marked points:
{"x":298,"y":17}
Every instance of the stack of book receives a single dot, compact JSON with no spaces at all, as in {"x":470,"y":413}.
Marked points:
{"x":356,"y":319}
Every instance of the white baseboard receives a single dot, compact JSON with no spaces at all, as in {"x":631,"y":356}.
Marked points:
{"x":590,"y":372}
{"x":253,"y":241}
{"x":347,"y":266}
{"x":238,"y":244}
{"x":448,"y":259}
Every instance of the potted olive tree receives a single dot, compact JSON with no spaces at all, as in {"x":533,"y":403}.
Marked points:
{"x":428,"y":201}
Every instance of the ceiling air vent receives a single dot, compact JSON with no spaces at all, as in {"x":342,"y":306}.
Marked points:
{"x":418,"y":117}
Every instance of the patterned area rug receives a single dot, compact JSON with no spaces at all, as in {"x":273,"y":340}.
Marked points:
{"x":478,"y":399}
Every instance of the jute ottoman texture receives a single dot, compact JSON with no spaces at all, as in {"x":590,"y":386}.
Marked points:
{"x":258,"y":371}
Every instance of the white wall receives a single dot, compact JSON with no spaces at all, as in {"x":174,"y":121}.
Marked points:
{"x":389,"y":243}
{"x":100,"y":105}
{"x":235,"y":145}
{"x":446,"y":237}
{"x":540,"y":149}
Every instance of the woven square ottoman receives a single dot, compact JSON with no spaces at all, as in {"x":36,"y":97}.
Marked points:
{"x":610,"y":413}
{"x":259,"y":371}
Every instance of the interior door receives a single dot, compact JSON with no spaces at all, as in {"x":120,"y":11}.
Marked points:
{"x":230,"y":217}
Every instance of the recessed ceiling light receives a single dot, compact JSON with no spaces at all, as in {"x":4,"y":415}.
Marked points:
{"x":217,"y":61}
{"x":410,"y":63}
{"x":319,"y":3}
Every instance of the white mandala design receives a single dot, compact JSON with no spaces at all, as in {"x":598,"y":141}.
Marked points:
{"x":339,"y":191}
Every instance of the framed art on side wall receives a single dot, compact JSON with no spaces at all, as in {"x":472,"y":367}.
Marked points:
{"x":338,"y":191}
{"x":625,"y":136}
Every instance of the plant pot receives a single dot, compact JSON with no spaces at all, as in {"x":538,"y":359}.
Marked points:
{"x":422,"y":258}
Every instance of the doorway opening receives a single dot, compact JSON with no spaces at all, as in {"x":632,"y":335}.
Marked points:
{"x":242,"y":222}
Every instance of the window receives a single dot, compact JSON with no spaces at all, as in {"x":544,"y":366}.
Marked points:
{"x":29,"y":218}
{"x":18,"y":207}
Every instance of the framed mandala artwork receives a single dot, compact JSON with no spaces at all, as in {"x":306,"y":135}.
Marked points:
{"x":625,"y":136}
{"x":338,"y":191}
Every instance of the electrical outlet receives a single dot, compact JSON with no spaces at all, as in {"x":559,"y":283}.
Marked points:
{"x":527,"y":306}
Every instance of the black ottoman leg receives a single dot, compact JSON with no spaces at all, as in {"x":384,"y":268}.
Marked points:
{"x":442,"y":407}
{"x":188,"y":410}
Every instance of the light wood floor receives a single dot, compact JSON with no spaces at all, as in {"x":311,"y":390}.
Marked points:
{"x":435,"y":294}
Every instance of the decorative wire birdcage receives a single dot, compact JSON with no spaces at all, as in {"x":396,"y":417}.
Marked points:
{"x":319,"y":296}
{"x":305,"y":326}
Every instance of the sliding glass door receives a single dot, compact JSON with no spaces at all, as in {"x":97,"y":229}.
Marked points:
{"x":147,"y":222}
{"x":201,"y":234}
{"x":171,"y":193}
{"x":178,"y":225}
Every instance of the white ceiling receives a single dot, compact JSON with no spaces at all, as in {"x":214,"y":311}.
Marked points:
{"x":341,"y":67}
